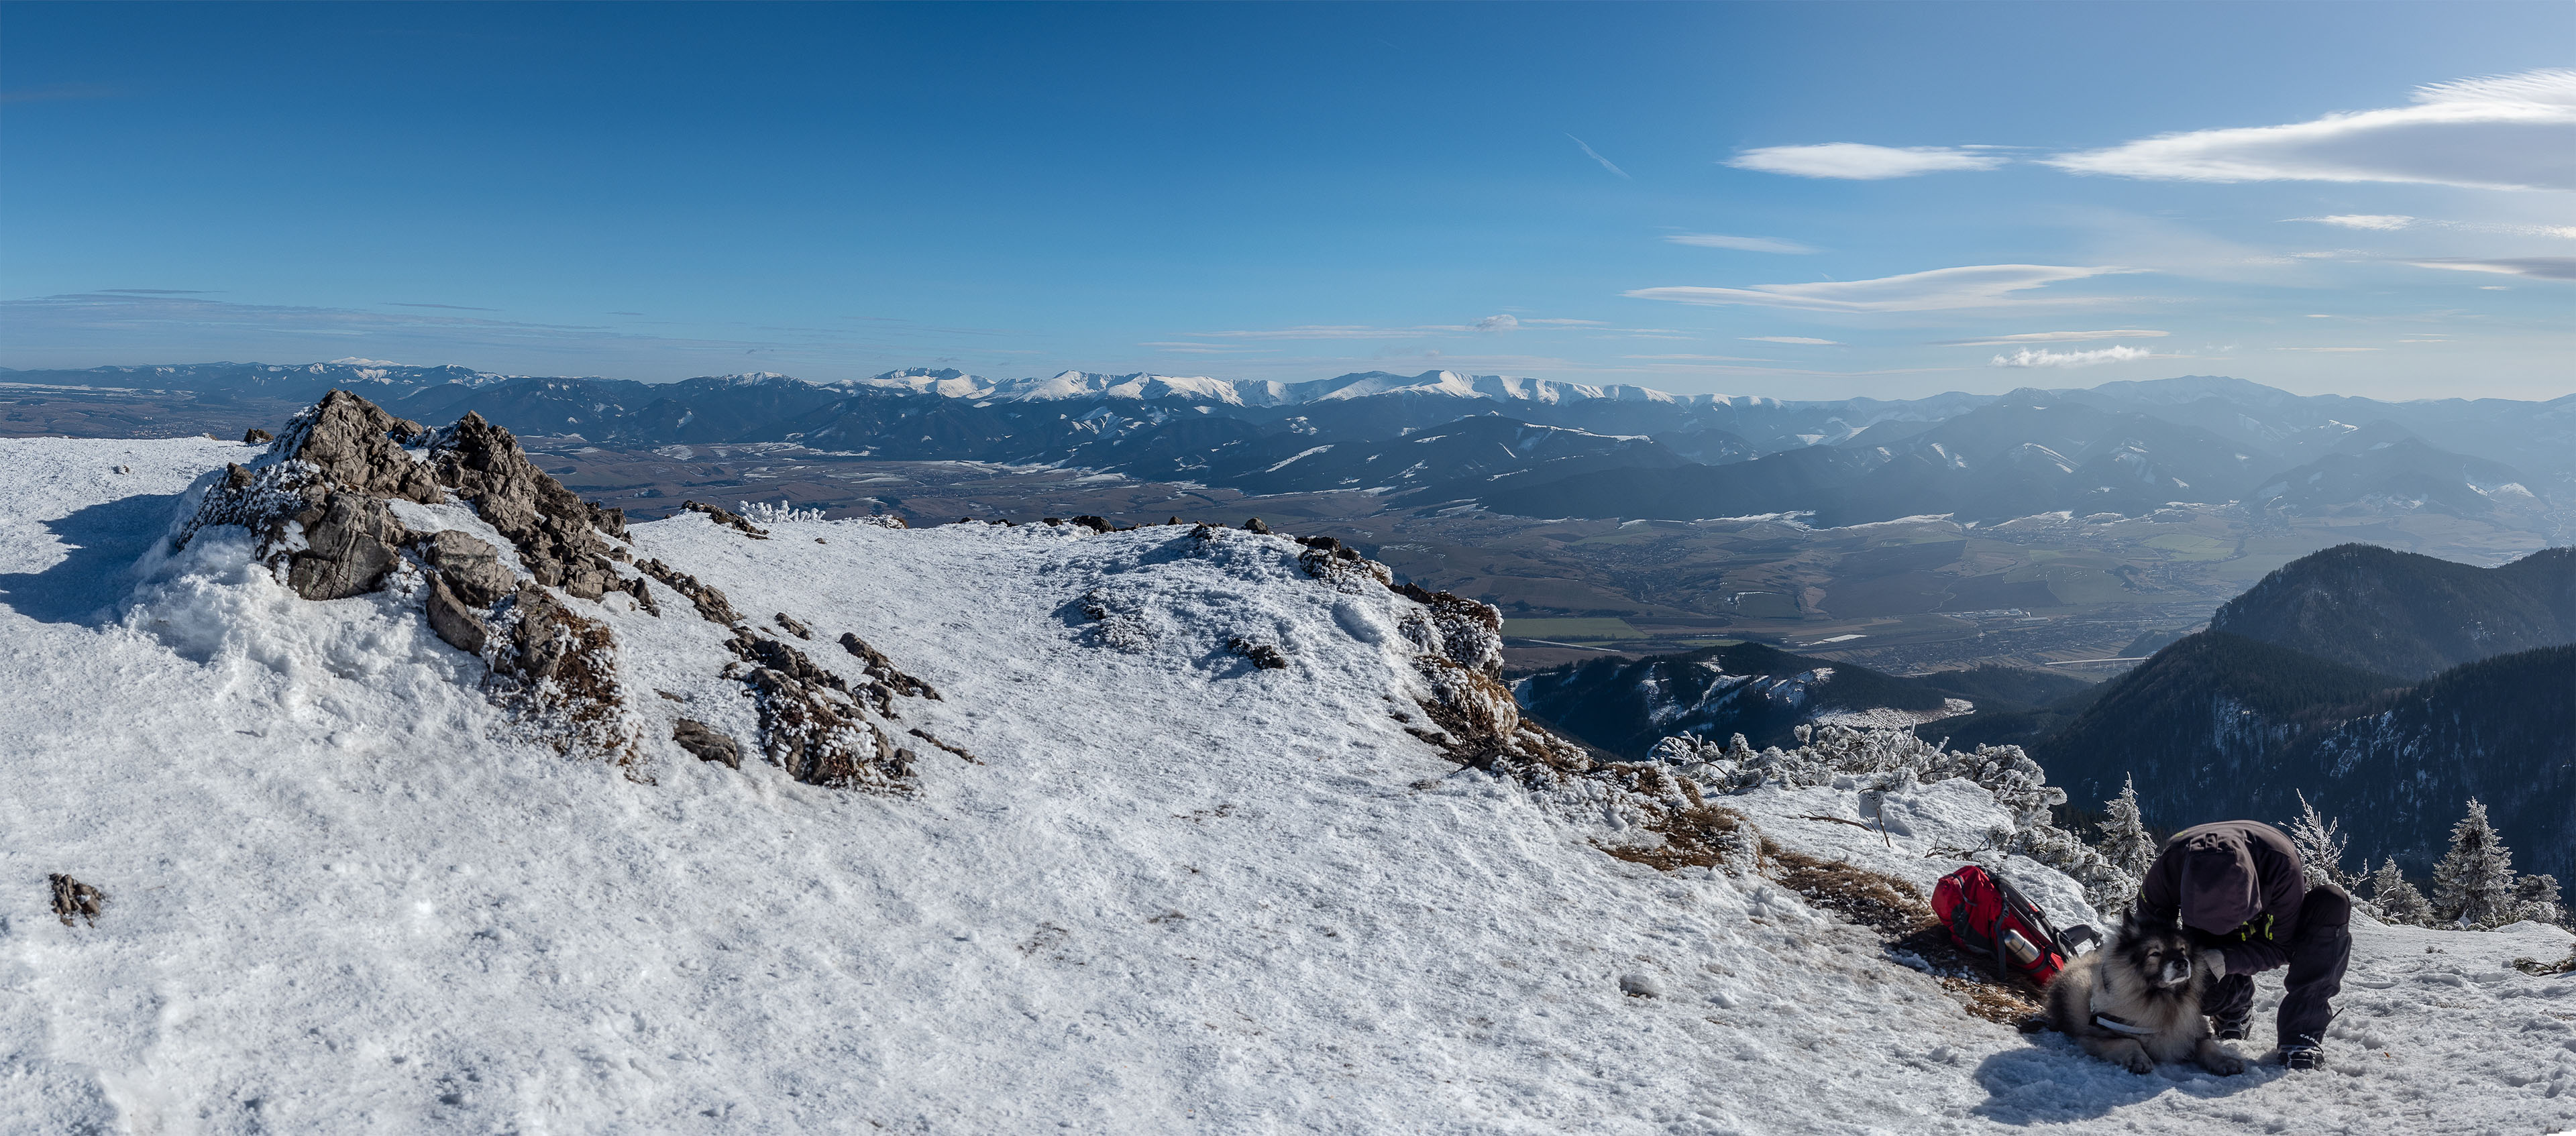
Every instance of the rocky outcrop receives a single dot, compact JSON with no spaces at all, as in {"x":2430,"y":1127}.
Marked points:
{"x":726,"y":518}
{"x":351,"y":541}
{"x":814,"y":726}
{"x":706,"y":744}
{"x":556,"y":671}
{"x":711,"y":603}
{"x":73,"y":898}
{"x":558,"y":535}
{"x":883,"y":671}
{"x":320,"y":507}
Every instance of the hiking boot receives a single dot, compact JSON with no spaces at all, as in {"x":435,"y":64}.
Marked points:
{"x":2230,"y":1028}
{"x":2303,"y":1057}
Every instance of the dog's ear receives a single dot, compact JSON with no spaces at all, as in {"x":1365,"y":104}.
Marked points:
{"x":2134,"y":924}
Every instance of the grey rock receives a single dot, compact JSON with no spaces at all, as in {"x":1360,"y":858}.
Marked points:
{"x":471,"y":565}
{"x":349,"y":545}
{"x":358,"y":447}
{"x":456,"y":621}
{"x":695,"y":737}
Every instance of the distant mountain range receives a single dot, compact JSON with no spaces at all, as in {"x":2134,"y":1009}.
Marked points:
{"x":2387,"y":687}
{"x":1539,"y":447}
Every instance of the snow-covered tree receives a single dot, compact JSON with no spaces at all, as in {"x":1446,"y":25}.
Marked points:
{"x":2535,"y":897}
{"x":2125,"y":842}
{"x":2473,"y":885}
{"x":2396,"y":899}
{"x":2320,"y":842}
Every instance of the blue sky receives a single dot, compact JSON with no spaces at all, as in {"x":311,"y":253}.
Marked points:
{"x":1801,"y":200}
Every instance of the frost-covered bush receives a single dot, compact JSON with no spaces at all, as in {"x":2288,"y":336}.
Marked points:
{"x":2535,"y":897}
{"x":764,"y":513}
{"x":1885,"y":760}
{"x":2320,"y":843}
{"x":2395,"y":900}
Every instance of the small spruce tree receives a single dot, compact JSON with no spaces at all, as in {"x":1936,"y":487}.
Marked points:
{"x":2535,"y":897}
{"x":2125,"y":842}
{"x":2320,"y":842}
{"x":2396,"y":899}
{"x":2473,"y":885}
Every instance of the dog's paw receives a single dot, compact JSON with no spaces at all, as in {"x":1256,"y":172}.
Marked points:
{"x":2136,"y":1061}
{"x":2221,"y":1061}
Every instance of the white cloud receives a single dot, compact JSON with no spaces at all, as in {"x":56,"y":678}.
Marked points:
{"x":2494,"y":288}
{"x":2500,"y":132}
{"x":2053,"y":337}
{"x":1497,"y":323}
{"x":2326,"y":350}
{"x":1971,"y":286}
{"x":1857,"y":161}
{"x":2540,"y":267}
{"x":1589,"y":152}
{"x":1740,"y":244}
{"x":2047,"y":358}
{"x":2380,"y":221}
{"x":1790,"y":339}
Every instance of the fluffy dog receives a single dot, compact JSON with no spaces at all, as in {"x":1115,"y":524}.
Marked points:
{"x":2136,"y":1002}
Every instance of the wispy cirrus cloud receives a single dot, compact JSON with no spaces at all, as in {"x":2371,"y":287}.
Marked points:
{"x":1941,"y":289}
{"x":2537,"y":267}
{"x":1799,"y":339}
{"x":2052,"y":337}
{"x":2499,"y":132}
{"x":1740,"y":244}
{"x":1595,"y":155}
{"x":2377,"y":222}
{"x":2043,"y":357}
{"x":2393,"y":222}
{"x":1859,"y":161}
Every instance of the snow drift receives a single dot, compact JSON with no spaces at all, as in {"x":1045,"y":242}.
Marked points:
{"x":1205,"y":829}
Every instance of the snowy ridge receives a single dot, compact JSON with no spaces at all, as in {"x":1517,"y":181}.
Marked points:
{"x":1148,"y":882}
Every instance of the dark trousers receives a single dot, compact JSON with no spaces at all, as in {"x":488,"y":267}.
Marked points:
{"x":2319,"y":951}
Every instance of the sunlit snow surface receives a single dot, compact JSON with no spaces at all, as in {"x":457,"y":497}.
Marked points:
{"x":1184,"y":894}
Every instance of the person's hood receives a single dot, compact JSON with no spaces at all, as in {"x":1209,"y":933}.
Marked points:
{"x":2219,"y":888}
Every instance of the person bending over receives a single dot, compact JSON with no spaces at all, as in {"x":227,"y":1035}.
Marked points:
{"x":2237,"y":889}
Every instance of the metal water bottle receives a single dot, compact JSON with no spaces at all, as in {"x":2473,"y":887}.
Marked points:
{"x":2022,"y":950}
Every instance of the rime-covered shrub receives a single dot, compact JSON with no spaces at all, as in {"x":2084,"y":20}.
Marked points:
{"x":1883,"y":760}
{"x":764,"y":513}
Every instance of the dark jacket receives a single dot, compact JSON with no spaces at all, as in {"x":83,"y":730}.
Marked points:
{"x":2235,"y":885}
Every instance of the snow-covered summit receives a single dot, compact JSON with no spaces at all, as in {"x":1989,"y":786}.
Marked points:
{"x":1205,"y":829}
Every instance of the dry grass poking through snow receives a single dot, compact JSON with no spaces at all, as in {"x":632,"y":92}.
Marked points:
{"x":1902,"y":918}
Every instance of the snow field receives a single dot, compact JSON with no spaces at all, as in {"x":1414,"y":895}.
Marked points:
{"x":1181,"y":894}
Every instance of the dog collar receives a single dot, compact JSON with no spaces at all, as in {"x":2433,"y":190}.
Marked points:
{"x":2112,"y":1022}
{"x":2115,"y":1025}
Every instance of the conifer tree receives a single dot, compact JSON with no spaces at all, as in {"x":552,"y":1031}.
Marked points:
{"x":2473,"y":885}
{"x":2320,"y":843}
{"x":2396,"y":899}
{"x":2125,"y":842}
{"x":2535,"y":897}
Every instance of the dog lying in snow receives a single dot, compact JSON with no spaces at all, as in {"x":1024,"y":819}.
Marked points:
{"x":2136,"y":1002}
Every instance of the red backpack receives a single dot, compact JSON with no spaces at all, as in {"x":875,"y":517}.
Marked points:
{"x":1988,"y":916}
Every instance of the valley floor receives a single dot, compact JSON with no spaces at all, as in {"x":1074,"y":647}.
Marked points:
{"x":1178,"y":893}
